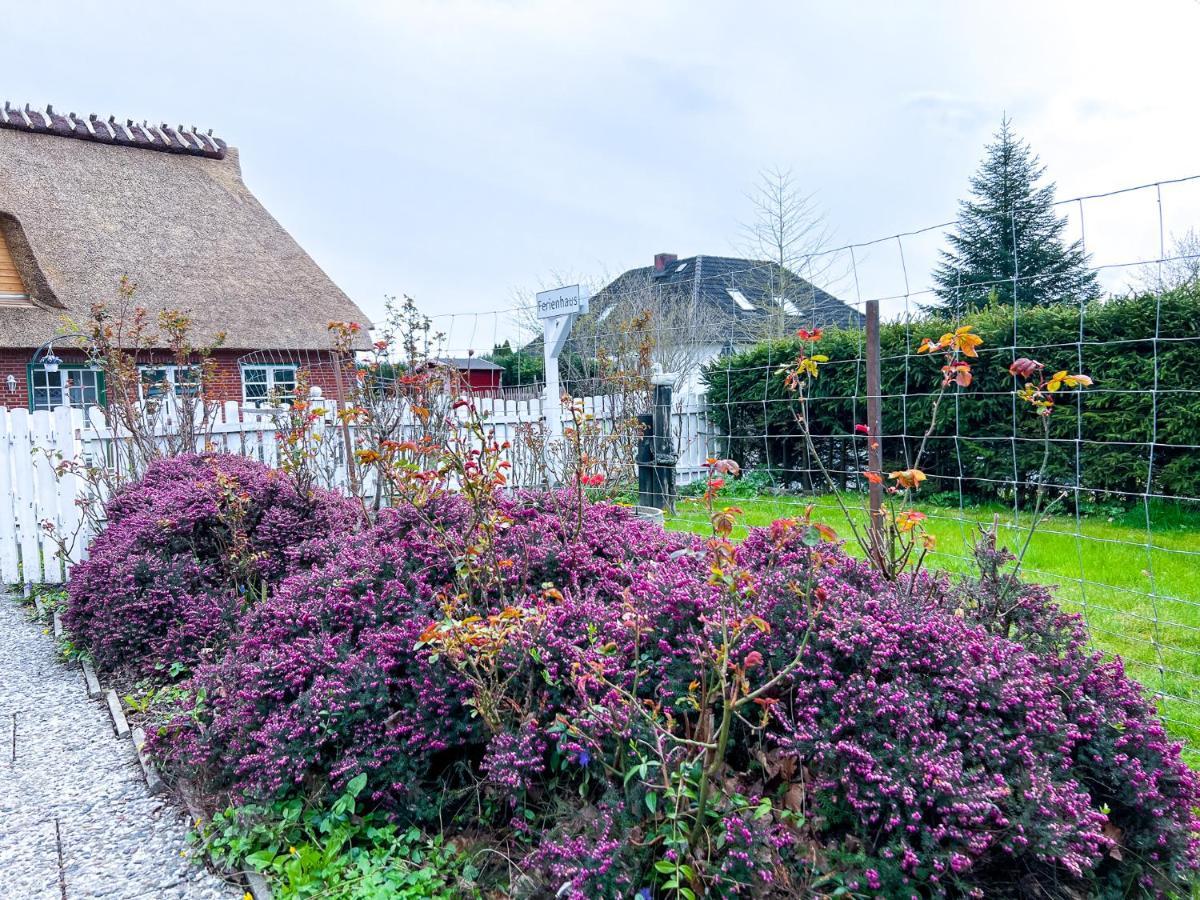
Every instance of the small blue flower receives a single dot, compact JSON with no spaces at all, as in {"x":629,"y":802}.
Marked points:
{"x":643,"y":894}
{"x":584,"y":757}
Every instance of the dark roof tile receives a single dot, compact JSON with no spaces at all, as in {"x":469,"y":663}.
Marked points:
{"x":708,"y":281}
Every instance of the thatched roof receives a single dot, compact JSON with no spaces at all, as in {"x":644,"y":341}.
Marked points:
{"x":84,"y":202}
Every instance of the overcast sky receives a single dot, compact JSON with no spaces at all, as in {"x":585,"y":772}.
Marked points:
{"x":463,"y":153}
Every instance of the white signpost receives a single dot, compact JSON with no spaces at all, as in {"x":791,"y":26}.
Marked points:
{"x":558,"y":309}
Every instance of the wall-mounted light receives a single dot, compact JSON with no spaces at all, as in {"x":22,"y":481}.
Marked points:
{"x":11,"y":383}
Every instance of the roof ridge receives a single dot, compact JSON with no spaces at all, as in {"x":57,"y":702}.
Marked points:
{"x":164,"y":138}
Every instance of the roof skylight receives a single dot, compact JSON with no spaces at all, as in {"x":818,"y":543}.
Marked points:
{"x":740,"y":299}
{"x":789,"y":306}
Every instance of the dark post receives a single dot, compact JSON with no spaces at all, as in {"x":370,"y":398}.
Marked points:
{"x":664,"y":453}
{"x":874,"y":424}
{"x":645,"y":461}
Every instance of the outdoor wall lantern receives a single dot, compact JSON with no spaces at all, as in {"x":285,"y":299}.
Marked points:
{"x":11,"y":383}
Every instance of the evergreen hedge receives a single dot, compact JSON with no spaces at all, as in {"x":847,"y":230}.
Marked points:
{"x":1136,"y":429}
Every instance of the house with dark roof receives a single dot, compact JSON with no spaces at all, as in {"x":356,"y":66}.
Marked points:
{"x":87,"y":201}
{"x":706,"y":306}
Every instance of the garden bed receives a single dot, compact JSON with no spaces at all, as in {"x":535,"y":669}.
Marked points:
{"x":540,"y":696}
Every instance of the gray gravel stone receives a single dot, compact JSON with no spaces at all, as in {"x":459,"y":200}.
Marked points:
{"x":117,"y":842}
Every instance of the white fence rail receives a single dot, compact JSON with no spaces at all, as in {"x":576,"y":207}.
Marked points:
{"x":37,"y":498}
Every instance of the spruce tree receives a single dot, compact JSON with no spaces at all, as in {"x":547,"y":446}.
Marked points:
{"x":1008,"y":209}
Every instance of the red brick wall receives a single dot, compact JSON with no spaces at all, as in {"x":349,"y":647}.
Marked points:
{"x":226,"y":386}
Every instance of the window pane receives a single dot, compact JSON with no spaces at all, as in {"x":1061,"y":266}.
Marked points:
{"x":85,"y":385}
{"x":156,"y":382}
{"x":47,"y":388}
{"x":187,"y":381}
{"x":41,"y":398}
{"x":283,"y":382}
{"x":254,"y":384}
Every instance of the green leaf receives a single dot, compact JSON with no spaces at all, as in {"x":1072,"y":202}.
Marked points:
{"x":652,"y":802}
{"x":261,"y":860}
{"x":357,"y":783}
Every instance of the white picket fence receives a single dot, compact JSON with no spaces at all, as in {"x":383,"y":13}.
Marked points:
{"x":38,"y":499}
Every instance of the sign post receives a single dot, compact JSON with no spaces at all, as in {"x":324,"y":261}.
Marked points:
{"x":558,"y":309}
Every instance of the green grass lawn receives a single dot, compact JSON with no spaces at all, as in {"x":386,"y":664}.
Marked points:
{"x":1138,"y":587}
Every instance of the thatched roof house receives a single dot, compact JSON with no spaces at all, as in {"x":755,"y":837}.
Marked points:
{"x":85,"y":201}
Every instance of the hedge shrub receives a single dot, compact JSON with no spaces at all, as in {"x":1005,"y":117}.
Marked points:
{"x":186,"y":548}
{"x":1113,"y":341}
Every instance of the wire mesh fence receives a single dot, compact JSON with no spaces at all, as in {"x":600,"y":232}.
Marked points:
{"x":1113,"y":480}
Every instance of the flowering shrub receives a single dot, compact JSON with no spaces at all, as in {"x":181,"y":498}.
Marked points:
{"x":954,"y":753}
{"x":186,"y":548}
{"x":323,"y":680}
{"x":896,"y":736}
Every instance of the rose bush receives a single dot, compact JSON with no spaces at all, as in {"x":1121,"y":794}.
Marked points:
{"x":187,"y":547}
{"x":903,"y":742}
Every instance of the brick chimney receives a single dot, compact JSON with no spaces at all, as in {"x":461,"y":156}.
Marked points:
{"x":662,"y":260}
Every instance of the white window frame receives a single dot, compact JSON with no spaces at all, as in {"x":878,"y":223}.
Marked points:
{"x":272,"y":371}
{"x":172,"y":378}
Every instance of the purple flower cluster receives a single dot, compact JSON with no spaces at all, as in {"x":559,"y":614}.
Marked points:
{"x":956,"y":754}
{"x":186,"y":549}
{"x":930,"y":754}
{"x":588,"y":856}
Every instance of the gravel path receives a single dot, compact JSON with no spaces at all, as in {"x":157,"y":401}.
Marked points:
{"x":75,"y":817}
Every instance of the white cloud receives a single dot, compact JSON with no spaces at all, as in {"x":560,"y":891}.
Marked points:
{"x":455,"y":150}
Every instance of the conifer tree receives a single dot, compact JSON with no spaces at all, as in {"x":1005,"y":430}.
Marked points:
{"x":1009,"y":227}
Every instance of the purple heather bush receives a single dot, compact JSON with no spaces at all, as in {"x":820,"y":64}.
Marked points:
{"x":323,"y":681}
{"x":186,"y":549}
{"x":930,"y":751}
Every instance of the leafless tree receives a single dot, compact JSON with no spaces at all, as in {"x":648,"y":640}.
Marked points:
{"x":629,"y":318}
{"x":1179,"y":269}
{"x":787,"y":228}
{"x":666,"y":325}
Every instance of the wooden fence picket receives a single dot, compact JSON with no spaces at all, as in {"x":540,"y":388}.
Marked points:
{"x":10,"y":557}
{"x":33,"y":490}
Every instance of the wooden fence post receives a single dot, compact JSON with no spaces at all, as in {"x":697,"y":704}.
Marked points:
{"x":874,"y":426}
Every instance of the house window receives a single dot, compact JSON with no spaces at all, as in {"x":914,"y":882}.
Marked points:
{"x":265,"y":383}
{"x":77,"y":386}
{"x":160,"y":381}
